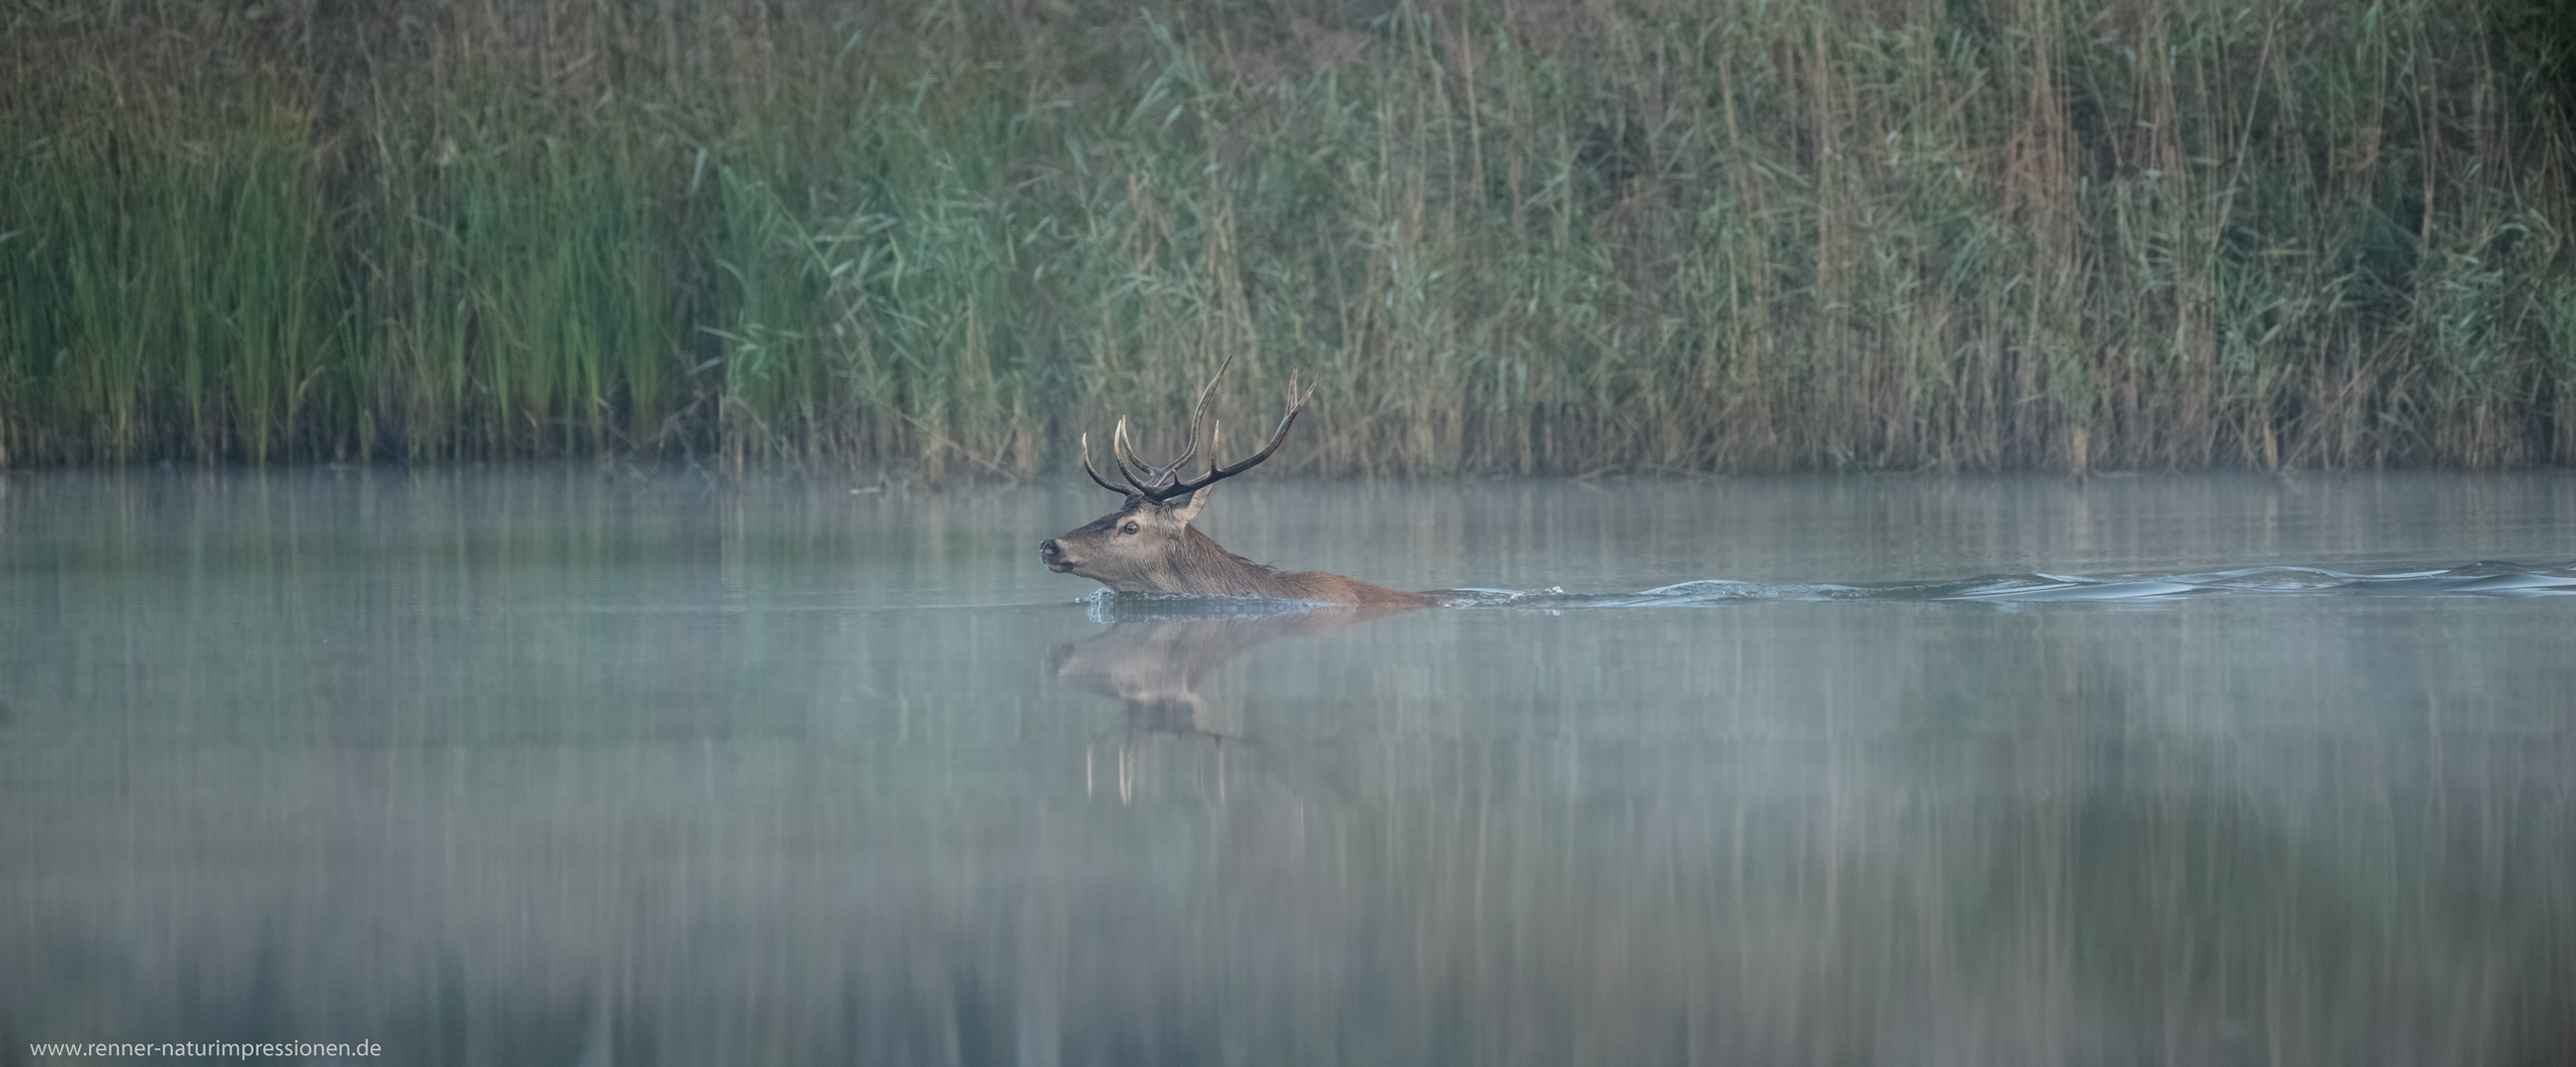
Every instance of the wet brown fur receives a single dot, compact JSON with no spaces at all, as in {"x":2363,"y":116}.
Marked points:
{"x":1167,"y":556}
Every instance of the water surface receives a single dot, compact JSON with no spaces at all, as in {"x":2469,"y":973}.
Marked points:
{"x":582,"y":765}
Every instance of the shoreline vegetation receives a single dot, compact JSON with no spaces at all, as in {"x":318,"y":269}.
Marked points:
{"x":1549,"y":237}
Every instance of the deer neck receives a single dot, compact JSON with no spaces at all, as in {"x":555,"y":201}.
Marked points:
{"x":1202,"y":567}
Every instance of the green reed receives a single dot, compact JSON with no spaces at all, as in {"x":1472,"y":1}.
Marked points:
{"x":185,"y":304}
{"x":2063,"y":234}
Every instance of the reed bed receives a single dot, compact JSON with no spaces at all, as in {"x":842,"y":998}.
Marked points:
{"x":1547,"y":236}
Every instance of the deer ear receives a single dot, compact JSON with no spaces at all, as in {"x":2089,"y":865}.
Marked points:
{"x":1199,"y":499}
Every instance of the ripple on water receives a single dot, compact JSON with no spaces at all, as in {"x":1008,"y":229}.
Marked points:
{"x":2488,"y":579}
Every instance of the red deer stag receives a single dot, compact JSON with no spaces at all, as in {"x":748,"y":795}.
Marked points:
{"x":1148,"y":546}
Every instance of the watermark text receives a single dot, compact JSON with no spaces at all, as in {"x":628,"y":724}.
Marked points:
{"x":231,"y":1050}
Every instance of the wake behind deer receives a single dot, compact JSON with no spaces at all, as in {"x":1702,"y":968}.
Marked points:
{"x":1148,"y":545}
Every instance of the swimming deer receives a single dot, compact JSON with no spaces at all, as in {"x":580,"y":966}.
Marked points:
{"x":1148,"y":545}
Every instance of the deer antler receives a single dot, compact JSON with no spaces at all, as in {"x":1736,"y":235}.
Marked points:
{"x":1196,"y":413}
{"x":1144,"y":478}
{"x":1215,"y":474}
{"x":1148,"y":476}
{"x":1138,"y":472}
{"x":1095,"y":475}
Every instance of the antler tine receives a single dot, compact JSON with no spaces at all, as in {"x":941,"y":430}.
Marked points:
{"x":1095,"y":475}
{"x":1197,"y":412}
{"x":1215,"y":474}
{"x":1139,"y":473}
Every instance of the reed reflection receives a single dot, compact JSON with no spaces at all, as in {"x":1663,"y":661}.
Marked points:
{"x":493,"y":779}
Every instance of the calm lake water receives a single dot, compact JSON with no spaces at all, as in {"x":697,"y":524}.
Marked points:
{"x":574,"y":766}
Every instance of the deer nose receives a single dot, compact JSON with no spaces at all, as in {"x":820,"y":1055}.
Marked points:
{"x":1052,"y":554}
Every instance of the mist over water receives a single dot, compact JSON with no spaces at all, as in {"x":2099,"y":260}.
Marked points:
{"x":612,"y":766}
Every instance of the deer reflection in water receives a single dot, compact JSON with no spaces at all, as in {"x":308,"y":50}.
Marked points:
{"x":1153,"y":665}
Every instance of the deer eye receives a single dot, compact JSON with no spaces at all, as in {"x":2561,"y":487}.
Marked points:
{"x":1129,"y":528}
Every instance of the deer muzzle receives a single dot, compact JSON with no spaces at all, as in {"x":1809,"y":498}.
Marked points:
{"x":1053,"y":555}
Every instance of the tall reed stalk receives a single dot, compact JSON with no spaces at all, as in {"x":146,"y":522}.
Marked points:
{"x":1550,"y":236}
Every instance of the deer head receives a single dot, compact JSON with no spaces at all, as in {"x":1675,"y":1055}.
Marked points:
{"x":1147,"y":545}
